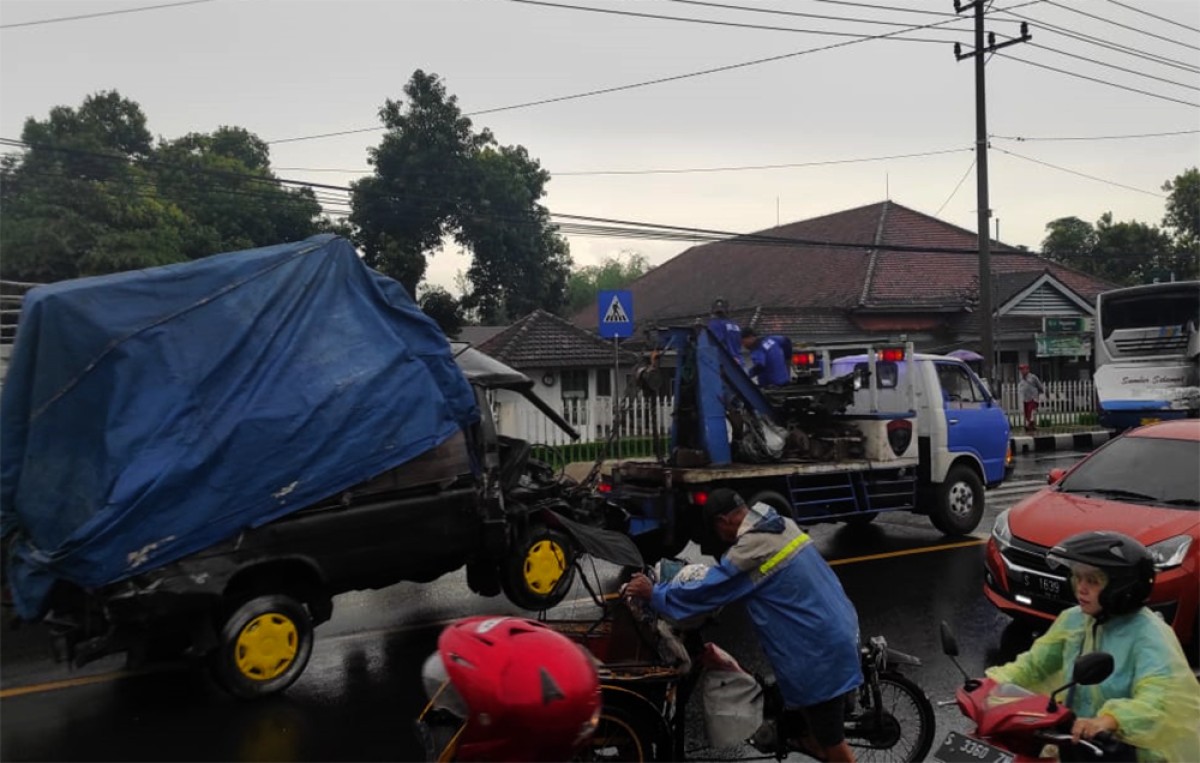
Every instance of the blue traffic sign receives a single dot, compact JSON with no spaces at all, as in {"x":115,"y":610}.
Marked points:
{"x":615,"y":310}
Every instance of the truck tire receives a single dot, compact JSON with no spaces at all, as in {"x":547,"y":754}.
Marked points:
{"x":265,"y":643}
{"x":777,"y":501}
{"x":539,"y":568}
{"x":959,"y":502}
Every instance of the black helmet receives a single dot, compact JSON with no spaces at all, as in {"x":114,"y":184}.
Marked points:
{"x":1127,"y":563}
{"x":719,"y":306}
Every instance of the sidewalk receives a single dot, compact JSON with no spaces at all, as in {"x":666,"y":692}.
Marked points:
{"x":1060,"y":438}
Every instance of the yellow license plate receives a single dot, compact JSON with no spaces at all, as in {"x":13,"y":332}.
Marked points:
{"x":1149,"y":420}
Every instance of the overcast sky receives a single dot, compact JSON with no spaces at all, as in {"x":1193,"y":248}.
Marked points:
{"x":289,"y":68}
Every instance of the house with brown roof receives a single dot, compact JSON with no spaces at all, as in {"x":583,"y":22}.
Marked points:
{"x":577,"y":373}
{"x":881,"y":272}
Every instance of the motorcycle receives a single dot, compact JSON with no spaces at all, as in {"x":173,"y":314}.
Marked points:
{"x":1014,"y":725}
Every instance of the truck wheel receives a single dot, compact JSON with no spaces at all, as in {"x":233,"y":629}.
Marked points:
{"x":265,"y":644}
{"x":539,"y":569}
{"x":959,"y":502}
{"x":776,"y":501}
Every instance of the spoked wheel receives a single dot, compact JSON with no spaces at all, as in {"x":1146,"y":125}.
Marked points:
{"x":627,"y":734}
{"x":902,"y":730}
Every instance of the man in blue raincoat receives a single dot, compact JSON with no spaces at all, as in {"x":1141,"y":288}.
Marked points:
{"x":728,"y":334}
{"x":769,"y":357}
{"x":807,"y":626}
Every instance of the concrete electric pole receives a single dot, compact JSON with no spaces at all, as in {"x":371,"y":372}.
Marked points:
{"x":981,"y":174}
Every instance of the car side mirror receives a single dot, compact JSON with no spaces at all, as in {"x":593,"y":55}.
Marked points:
{"x":1055,"y":476}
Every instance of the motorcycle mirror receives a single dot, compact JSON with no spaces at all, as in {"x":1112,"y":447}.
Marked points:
{"x":1093,"y":668}
{"x":949,"y":643}
{"x":1089,"y":670}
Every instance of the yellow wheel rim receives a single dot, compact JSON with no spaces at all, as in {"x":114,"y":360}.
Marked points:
{"x":266,"y":647}
{"x":545,"y":564}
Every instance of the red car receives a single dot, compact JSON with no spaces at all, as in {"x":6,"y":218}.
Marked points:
{"x":1145,"y":484}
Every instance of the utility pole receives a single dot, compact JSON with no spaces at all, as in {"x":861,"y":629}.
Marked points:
{"x":981,"y":171}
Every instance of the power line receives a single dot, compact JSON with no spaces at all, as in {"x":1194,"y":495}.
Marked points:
{"x":1123,"y":26}
{"x":710,"y":22}
{"x":1151,"y":15}
{"x":799,"y":14}
{"x":656,"y":81}
{"x":952,"y":193}
{"x":1134,"y":72}
{"x":1103,"y":43}
{"x":60,"y":19}
{"x":1081,"y":174}
{"x":1021,"y":139}
{"x":1100,"y":81}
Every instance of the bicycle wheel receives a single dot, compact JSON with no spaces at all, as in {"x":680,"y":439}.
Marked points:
{"x":627,"y":734}
{"x":902,"y":730}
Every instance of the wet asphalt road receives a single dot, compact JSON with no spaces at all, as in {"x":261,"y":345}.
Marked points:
{"x":362,"y":688}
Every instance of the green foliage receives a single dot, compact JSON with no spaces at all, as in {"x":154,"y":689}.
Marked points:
{"x":1123,"y":253}
{"x":613,"y":273}
{"x":441,"y":305}
{"x":1183,"y":220}
{"x":634,"y":447}
{"x":434,"y":178}
{"x":93,"y":195}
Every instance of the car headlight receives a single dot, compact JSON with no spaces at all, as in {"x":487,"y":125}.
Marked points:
{"x":1170,"y":552}
{"x":1000,"y":530}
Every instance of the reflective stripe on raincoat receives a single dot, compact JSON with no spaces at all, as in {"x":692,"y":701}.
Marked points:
{"x":806,"y":625}
{"x":1152,"y":692}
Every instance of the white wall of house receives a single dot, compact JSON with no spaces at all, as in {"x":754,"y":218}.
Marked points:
{"x":581,"y":394}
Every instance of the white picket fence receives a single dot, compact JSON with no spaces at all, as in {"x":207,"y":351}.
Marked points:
{"x":1065,"y":403}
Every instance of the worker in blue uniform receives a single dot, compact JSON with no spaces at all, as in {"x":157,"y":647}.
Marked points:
{"x":727,"y":333}
{"x":769,"y":358}
{"x":807,"y":626}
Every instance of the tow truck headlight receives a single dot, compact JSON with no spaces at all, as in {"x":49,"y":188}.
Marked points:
{"x":1001,"y":532}
{"x":1170,"y":552}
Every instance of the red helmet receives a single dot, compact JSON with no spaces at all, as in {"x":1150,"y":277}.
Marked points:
{"x":520,"y":690}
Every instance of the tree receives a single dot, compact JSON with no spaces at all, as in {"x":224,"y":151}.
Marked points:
{"x":1070,"y":241}
{"x":435,"y":178}
{"x":612,"y":273}
{"x":1124,"y":253}
{"x":441,"y":305}
{"x":224,"y":184}
{"x":1183,"y":220}
{"x":93,"y":195}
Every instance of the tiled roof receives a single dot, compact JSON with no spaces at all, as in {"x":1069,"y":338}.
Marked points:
{"x":751,"y":275}
{"x":477,"y":335}
{"x":543,"y":340}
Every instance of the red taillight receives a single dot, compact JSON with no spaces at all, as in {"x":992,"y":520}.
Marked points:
{"x":804,"y":359}
{"x":892,"y":354}
{"x":699,"y":497}
{"x":604,"y":487}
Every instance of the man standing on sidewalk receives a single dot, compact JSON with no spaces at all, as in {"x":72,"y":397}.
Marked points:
{"x":1030,"y":390}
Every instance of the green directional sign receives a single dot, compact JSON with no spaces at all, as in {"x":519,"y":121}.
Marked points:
{"x":1049,"y":345}
{"x":1070,"y":324}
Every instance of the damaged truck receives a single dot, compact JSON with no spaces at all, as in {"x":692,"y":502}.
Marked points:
{"x":197,"y":458}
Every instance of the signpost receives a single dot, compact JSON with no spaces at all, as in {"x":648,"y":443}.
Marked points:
{"x":615,"y":321}
{"x":1074,"y":324}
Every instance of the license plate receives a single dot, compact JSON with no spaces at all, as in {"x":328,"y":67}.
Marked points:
{"x":962,"y":749}
{"x":1150,"y":420}
{"x":1042,"y":585}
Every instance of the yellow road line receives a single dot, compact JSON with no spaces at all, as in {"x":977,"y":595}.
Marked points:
{"x":907,"y":552}
{"x":69,"y":683}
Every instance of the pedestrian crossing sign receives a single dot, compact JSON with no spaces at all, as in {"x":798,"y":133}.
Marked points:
{"x":615,"y":314}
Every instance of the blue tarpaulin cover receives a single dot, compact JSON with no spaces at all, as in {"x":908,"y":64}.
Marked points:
{"x":150,"y":414}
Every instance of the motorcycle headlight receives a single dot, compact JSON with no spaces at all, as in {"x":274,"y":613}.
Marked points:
{"x":1000,"y":531}
{"x":1170,"y":552}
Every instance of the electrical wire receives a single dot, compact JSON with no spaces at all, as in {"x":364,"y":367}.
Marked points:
{"x":60,"y":19}
{"x":1011,"y":57}
{"x":712,"y":22}
{"x":799,"y":14}
{"x":1103,"y":43}
{"x":1153,"y":16}
{"x":1122,"y":26}
{"x":955,"y":191}
{"x":1080,"y":174}
{"x":1134,"y":72}
{"x":656,"y":81}
{"x":1021,"y":139}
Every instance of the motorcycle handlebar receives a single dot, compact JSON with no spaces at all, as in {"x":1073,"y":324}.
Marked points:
{"x":1100,"y":744}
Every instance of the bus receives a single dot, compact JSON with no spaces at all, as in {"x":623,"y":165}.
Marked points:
{"x":1147,"y":353}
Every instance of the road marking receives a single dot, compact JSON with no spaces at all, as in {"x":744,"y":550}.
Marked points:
{"x":70,"y":683}
{"x":908,"y":552}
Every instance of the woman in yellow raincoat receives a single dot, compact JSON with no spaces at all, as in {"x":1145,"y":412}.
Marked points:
{"x":1152,"y":699}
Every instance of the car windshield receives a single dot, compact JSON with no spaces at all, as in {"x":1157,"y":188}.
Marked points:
{"x":1141,"y":470}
